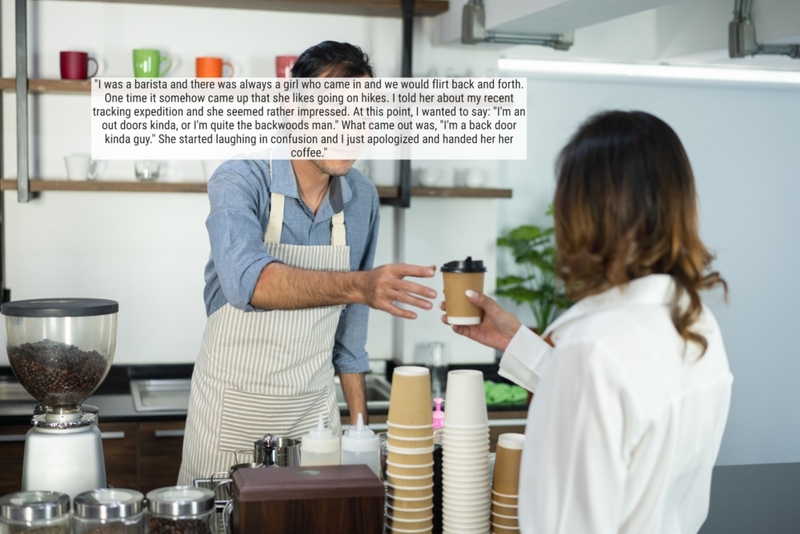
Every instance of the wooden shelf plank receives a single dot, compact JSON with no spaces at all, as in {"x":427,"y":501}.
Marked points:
{"x":102,"y":185}
{"x":200,"y":187}
{"x":460,"y":192}
{"x":371,"y":8}
{"x":40,"y":85}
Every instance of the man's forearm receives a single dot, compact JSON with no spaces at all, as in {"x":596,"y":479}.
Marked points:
{"x":281,"y":287}
{"x":355,"y":393}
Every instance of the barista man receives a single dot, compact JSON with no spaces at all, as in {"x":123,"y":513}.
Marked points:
{"x":288,"y":288}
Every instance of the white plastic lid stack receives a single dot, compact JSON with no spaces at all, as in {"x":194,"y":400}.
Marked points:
{"x":320,"y":440}
{"x":360,"y":438}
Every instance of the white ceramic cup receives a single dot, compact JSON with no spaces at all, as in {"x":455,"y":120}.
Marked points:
{"x":81,"y":167}
{"x":474,"y":178}
{"x":430,"y":177}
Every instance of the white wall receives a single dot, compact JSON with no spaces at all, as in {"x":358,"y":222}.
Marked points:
{"x":742,"y":142}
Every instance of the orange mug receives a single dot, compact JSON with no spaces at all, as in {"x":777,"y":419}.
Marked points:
{"x":211,"y":67}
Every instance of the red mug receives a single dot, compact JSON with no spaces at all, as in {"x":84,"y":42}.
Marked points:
{"x":283,"y":66}
{"x":75,"y":66}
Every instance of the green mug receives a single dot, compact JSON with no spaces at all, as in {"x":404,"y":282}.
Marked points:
{"x":147,"y":63}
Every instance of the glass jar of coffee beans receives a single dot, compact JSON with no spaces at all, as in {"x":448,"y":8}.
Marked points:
{"x":180,"y":510}
{"x":34,"y":512}
{"x":108,"y":511}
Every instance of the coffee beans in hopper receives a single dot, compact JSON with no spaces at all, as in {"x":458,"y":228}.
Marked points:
{"x":165,"y":525}
{"x":25,"y":529}
{"x":56,"y":374}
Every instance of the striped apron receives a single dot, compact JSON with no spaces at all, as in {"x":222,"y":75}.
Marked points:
{"x":261,"y":372}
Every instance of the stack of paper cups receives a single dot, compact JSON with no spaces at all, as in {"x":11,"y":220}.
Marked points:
{"x":505,"y":485}
{"x":409,"y":464}
{"x":465,"y":455}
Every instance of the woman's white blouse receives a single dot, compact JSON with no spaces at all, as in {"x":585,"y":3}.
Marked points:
{"x":626,"y":421}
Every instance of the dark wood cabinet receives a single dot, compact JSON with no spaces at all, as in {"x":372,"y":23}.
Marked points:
{"x":12,"y":449}
{"x":121,"y":453}
{"x":160,"y":450}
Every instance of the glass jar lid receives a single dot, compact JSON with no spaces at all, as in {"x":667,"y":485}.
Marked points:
{"x":59,"y":307}
{"x":108,"y":503}
{"x":180,"y":501}
{"x":34,"y":505}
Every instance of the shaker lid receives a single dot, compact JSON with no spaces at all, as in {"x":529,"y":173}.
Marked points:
{"x":66,"y":307}
{"x":108,"y":503}
{"x":34,"y":505}
{"x":466,"y":266}
{"x":180,"y":501}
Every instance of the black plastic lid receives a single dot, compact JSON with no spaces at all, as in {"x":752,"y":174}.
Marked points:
{"x":59,"y":307}
{"x":467,"y":266}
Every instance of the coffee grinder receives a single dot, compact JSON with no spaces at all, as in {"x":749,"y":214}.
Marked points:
{"x":60,"y":351}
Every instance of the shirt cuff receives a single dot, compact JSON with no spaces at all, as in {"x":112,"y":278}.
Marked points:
{"x":347,"y":364}
{"x":525,"y":358}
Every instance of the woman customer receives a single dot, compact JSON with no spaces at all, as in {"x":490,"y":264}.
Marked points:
{"x":630,"y":405}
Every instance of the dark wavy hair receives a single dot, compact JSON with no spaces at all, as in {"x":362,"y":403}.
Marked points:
{"x":340,"y":60}
{"x":626,"y":207}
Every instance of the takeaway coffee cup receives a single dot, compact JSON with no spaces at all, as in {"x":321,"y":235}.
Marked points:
{"x":459,"y":276}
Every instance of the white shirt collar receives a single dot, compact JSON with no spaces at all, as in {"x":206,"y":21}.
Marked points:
{"x":651,"y":289}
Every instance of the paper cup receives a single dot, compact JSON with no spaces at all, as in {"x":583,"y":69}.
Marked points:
{"x":426,"y":432}
{"x":499,"y":529}
{"x":409,"y":470}
{"x":505,"y":521}
{"x":410,"y":506}
{"x":410,"y":401}
{"x":505,"y":499}
{"x":410,"y":482}
{"x":413,"y":524}
{"x":404,"y":531}
{"x":466,"y":404}
{"x":507,"y":464}
{"x":400,"y":458}
{"x":408,"y":513}
{"x":410,"y":443}
{"x":499,"y":509}
{"x":403,"y":492}
{"x":458,"y":308}
{"x":412,"y":502}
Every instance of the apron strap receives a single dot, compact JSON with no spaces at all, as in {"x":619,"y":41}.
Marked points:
{"x":338,"y":232}
{"x":275,"y":223}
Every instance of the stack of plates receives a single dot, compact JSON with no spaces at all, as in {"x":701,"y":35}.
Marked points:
{"x":409,"y":463}
{"x":505,"y":485}
{"x":465,"y":459}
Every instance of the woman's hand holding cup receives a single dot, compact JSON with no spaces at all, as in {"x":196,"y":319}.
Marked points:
{"x":496,"y":328}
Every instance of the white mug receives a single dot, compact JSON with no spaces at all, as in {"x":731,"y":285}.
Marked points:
{"x":429,"y":177}
{"x":474,"y":178}
{"x":81,"y":167}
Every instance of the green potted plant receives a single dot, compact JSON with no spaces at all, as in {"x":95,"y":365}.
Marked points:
{"x":534,"y":251}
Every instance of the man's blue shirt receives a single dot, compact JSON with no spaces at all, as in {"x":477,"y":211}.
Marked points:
{"x":239,"y":194}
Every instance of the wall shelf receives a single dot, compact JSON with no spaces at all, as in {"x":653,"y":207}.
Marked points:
{"x":370,"y":8}
{"x":41,"y":85}
{"x":10,"y":184}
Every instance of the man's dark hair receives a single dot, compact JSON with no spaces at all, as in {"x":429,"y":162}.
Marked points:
{"x":339,"y":60}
